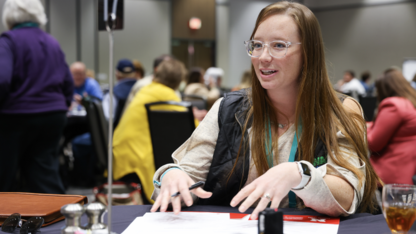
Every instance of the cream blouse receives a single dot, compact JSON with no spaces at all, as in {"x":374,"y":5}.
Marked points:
{"x":195,"y":155}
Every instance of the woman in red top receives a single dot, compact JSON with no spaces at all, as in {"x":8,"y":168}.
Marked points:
{"x":392,"y":136}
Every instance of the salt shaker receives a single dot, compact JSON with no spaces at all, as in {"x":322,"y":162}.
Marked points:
{"x":95,"y":212}
{"x":72,"y":213}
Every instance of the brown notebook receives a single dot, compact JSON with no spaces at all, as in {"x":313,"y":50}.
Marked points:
{"x":47,"y":206}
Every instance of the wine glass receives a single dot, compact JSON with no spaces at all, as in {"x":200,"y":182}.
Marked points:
{"x":399,"y":207}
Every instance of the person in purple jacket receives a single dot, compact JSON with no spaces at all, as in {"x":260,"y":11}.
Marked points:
{"x":36,"y":89}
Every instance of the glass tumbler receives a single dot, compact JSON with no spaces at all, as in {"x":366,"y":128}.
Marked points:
{"x":399,"y":207}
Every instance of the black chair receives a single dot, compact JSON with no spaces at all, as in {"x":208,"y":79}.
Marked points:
{"x":119,"y":112}
{"x":353,"y":94}
{"x":169,"y":129}
{"x":98,"y":128}
{"x":348,"y":94}
{"x":197,"y":101}
{"x":369,"y":105}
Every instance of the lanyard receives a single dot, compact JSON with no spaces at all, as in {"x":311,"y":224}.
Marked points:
{"x":269,"y":153}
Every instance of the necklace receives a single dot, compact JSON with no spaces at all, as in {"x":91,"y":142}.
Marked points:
{"x":281,"y":125}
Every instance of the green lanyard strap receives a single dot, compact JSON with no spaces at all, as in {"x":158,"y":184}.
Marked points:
{"x":269,"y":153}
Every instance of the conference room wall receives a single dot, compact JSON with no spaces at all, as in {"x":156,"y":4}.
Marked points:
{"x":146,"y":34}
{"x":87,"y":51}
{"x":2,"y":28}
{"x":62,"y":25}
{"x":331,"y":3}
{"x":372,"y":36}
{"x":223,"y":39}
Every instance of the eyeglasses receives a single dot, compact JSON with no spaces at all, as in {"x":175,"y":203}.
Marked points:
{"x":32,"y":225}
{"x":277,"y":49}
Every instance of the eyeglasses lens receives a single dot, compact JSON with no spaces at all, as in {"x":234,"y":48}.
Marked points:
{"x":276,"y":48}
{"x":32,"y":225}
{"x":11,"y":223}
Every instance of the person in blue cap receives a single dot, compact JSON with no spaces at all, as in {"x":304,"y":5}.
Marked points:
{"x":126,"y":78}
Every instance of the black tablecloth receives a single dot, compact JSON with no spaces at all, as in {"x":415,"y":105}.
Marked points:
{"x":124,"y":215}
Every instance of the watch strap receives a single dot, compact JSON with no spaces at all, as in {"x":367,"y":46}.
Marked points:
{"x":305,"y":178}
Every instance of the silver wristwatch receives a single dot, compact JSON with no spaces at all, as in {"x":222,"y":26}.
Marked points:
{"x":305,"y":173}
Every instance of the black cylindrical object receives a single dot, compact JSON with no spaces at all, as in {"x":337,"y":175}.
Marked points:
{"x":270,"y":222}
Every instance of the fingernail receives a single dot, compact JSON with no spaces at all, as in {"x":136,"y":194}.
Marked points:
{"x":232,"y":203}
{"x":189,"y":203}
{"x":242,"y":208}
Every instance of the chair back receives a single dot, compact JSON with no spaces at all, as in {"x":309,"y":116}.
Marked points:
{"x":348,"y":94}
{"x":354,"y":94}
{"x":169,"y":129}
{"x":197,"y":101}
{"x":119,"y":112}
{"x":369,"y":105}
{"x":98,"y":128}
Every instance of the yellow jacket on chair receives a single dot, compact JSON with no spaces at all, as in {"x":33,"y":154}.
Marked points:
{"x":132,"y":145}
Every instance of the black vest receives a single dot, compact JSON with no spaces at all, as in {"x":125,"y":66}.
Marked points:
{"x":231,"y":118}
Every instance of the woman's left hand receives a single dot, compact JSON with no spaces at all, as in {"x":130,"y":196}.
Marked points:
{"x":273,"y":186}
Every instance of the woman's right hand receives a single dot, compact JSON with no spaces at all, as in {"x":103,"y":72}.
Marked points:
{"x":177,"y":181}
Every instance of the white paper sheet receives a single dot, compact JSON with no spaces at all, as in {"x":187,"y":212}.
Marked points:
{"x":184,"y":223}
{"x":218,"y":223}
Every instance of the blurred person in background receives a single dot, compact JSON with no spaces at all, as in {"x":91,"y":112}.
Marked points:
{"x":36,"y":90}
{"x":350,"y":84}
{"x":213,"y":78}
{"x":365,"y":81}
{"x":132,"y":146}
{"x":413,"y":82}
{"x":392,"y":136}
{"x":146,"y":80}
{"x":195,"y":86}
{"x":138,"y":67}
{"x":245,"y":81}
{"x":84,"y":158}
{"x":84,"y":85}
{"x":126,"y":76}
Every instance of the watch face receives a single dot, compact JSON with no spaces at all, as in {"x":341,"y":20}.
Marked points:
{"x":305,"y":169}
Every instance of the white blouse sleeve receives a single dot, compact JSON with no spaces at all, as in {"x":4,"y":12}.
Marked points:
{"x":316,"y":193}
{"x":195,"y":155}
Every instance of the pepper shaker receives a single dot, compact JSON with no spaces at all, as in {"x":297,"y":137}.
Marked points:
{"x":95,"y":212}
{"x":72,"y":213}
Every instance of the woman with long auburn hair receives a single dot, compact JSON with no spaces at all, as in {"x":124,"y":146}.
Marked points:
{"x":289,"y":140}
{"x":392,"y":136}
